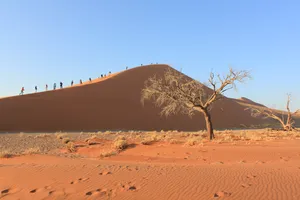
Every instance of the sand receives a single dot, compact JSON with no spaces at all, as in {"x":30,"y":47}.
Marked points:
{"x":247,"y":169}
{"x":257,"y":170}
{"x":111,"y":103}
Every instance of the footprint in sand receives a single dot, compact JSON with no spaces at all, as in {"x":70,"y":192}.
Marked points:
{"x":8,"y":191}
{"x":251,"y":176}
{"x":105,"y":173}
{"x":101,"y":192}
{"x":222,"y":194}
{"x":79,"y":180}
{"x":128,"y":187}
{"x":286,"y":159}
{"x":5,"y":191}
{"x":33,"y":191}
{"x":246,"y":185}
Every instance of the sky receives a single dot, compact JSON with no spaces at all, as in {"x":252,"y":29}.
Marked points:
{"x":42,"y":42}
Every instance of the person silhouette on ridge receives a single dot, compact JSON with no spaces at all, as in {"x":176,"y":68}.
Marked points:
{"x":61,"y":85}
{"x":72,"y":82}
{"x":54,"y":86}
{"x":35,"y":88}
{"x":46,"y":87}
{"x":22,"y":91}
{"x":80,"y":81}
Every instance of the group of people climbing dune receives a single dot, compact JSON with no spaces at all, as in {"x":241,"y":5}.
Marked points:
{"x":61,"y":85}
{"x":72,"y":82}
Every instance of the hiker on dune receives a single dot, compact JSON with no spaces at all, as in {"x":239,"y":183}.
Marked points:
{"x":90,"y":79}
{"x":61,"y":85}
{"x":22,"y":91}
{"x":54,"y":86}
{"x":46,"y":87}
{"x":72,"y":83}
{"x":35,"y":88}
{"x":80,"y":81}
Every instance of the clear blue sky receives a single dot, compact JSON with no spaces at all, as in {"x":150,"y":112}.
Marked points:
{"x":59,"y":40}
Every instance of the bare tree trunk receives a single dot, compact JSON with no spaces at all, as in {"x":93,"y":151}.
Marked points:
{"x":209,"y":126}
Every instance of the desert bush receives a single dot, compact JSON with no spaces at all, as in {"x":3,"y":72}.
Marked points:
{"x":147,"y":141}
{"x":43,"y":135}
{"x":60,"y":135}
{"x":71,"y":147}
{"x":120,"y":144}
{"x":153,"y":137}
{"x":193,"y":141}
{"x":119,"y":138}
{"x":174,"y":141}
{"x":31,"y":151}
{"x":66,"y":140}
{"x":108,"y":153}
{"x":90,"y":139}
{"x":5,"y":154}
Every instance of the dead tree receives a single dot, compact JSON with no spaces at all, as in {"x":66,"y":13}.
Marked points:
{"x":178,"y":93}
{"x":268,"y":113}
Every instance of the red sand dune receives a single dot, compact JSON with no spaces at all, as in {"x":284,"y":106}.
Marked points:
{"x":249,"y":101}
{"x":110,"y":104}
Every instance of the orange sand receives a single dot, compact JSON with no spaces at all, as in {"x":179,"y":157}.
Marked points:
{"x":266,"y":171}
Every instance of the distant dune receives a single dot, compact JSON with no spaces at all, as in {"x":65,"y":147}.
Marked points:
{"x":248,"y":101}
{"x":109,"y":104}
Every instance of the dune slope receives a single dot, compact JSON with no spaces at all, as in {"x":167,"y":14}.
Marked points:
{"x":111,"y":104}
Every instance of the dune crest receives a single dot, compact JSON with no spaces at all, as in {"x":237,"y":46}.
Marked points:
{"x":111,"y":103}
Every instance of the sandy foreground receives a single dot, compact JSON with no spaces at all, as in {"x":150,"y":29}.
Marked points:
{"x":152,"y":166}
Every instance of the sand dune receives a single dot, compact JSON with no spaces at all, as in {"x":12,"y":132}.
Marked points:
{"x":112,"y":103}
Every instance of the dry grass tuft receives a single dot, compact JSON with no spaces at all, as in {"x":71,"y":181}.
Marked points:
{"x":120,"y":144}
{"x":66,"y":140}
{"x":43,"y":135}
{"x":60,"y":135}
{"x":6,"y":154}
{"x":174,"y":141}
{"x":192,"y":141}
{"x":110,"y":153}
{"x":71,"y":147}
{"x":153,"y":137}
{"x":31,"y":151}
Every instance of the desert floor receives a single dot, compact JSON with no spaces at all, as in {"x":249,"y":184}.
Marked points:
{"x":256,"y":164}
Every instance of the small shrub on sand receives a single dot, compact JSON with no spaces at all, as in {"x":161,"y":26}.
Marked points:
{"x":120,"y":144}
{"x":31,"y":151}
{"x":43,"y":135}
{"x":119,"y":138}
{"x":60,"y":135}
{"x":174,"y":141}
{"x":71,"y":147}
{"x":184,"y":134}
{"x":147,"y":141}
{"x":66,"y":140}
{"x":108,"y":153}
{"x":91,"y":139}
{"x":5,"y":154}
{"x":151,"y":139}
{"x":193,"y":141}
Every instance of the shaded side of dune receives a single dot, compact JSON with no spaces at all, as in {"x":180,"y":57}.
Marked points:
{"x":113,"y":104}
